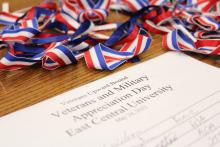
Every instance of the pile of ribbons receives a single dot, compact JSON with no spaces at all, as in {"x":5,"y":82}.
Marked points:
{"x":186,"y":25}
{"x":58,"y":35}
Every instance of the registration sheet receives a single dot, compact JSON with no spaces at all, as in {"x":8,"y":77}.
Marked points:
{"x":170,"y":101}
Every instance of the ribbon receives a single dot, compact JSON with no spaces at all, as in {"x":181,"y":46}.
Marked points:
{"x":185,"y":25}
{"x":103,"y":57}
{"x":29,"y":44}
{"x":84,"y":10}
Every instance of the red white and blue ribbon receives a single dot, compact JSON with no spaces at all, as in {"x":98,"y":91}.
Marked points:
{"x":82,"y":10}
{"x":184,"y":29}
{"x":7,"y":18}
{"x":104,"y":57}
{"x":186,"y":25}
{"x":177,"y":40}
{"x":28,"y":44}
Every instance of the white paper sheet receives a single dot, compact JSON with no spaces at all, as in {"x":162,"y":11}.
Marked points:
{"x":170,"y":101}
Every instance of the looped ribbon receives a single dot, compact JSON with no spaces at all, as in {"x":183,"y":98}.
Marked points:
{"x":84,"y":10}
{"x":135,"y":5}
{"x":135,"y":42}
{"x":186,"y":25}
{"x":179,"y":41}
{"x":29,"y":44}
{"x":27,"y":41}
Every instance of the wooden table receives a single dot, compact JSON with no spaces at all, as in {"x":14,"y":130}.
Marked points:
{"x":23,"y":88}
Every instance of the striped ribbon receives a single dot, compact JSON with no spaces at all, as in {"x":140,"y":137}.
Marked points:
{"x":7,"y":18}
{"x":29,"y":44}
{"x":136,"y":5}
{"x":186,"y":25}
{"x":191,"y":26}
{"x":178,"y":40}
{"x":82,"y":10}
{"x":134,"y":43}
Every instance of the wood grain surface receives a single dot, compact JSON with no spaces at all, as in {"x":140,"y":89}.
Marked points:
{"x":23,"y":88}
